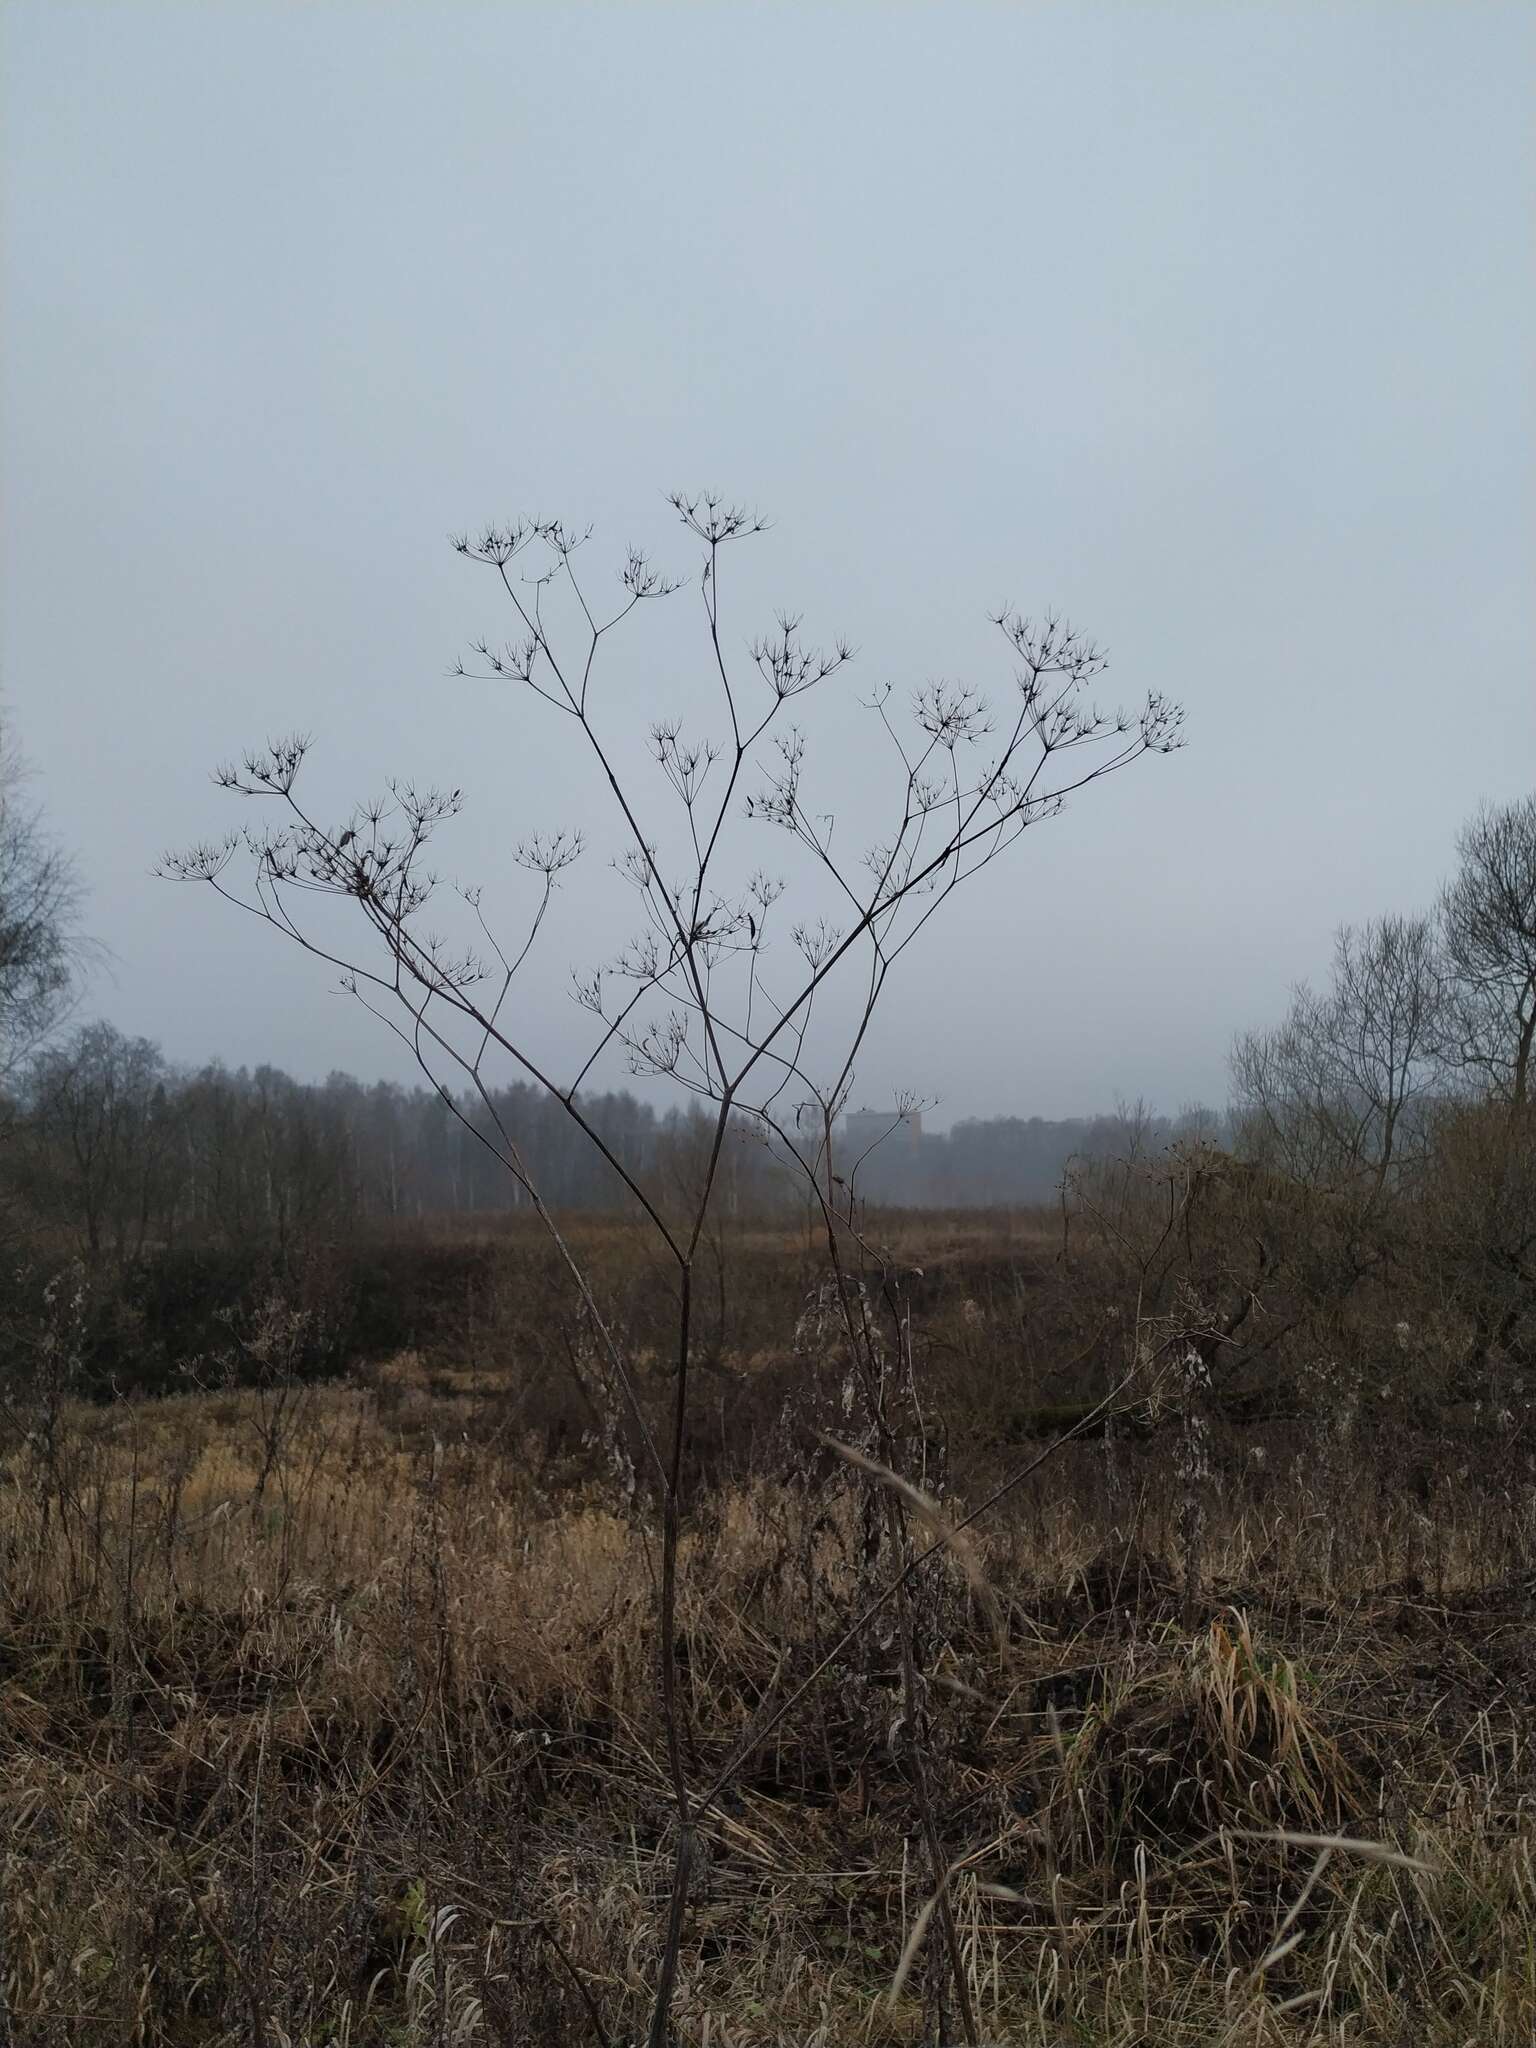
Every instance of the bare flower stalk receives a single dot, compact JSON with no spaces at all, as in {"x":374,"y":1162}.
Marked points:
{"x":1194,"y":1474}
{"x":725,"y":988}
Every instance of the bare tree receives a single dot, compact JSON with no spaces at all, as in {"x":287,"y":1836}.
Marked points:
{"x":1332,"y":1095}
{"x":97,"y":1139}
{"x":1476,"y":1226}
{"x":41,"y":950}
{"x":754,"y":1002}
{"x":1481,"y":1207}
{"x":1487,"y":917}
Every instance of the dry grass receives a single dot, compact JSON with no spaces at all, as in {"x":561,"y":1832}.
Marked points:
{"x":367,"y":1750}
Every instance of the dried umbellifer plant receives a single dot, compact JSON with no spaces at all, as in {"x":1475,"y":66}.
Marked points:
{"x":752,"y":993}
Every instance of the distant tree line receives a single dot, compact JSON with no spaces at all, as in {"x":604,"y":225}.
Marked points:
{"x":1420,"y":1045}
{"x":123,"y":1152}
{"x":114,"y":1146}
{"x":1009,"y":1161}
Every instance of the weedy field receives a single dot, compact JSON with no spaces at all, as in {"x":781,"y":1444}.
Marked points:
{"x":329,"y":1717}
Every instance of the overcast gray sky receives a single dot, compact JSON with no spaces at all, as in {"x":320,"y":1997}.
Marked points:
{"x":1212,"y":326}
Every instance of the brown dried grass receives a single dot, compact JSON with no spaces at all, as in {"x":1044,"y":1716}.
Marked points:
{"x":372,"y":1755}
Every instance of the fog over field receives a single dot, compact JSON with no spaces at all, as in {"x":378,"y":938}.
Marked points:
{"x":1212,"y":328}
